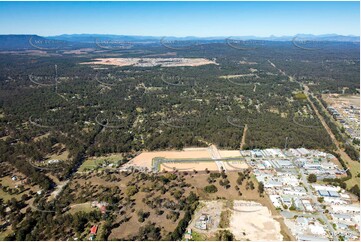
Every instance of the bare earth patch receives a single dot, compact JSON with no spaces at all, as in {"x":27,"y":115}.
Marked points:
{"x":334,"y":99}
{"x":253,"y":221}
{"x":235,"y":165}
{"x":188,"y":160}
{"x":145,"y":158}
{"x":240,"y":75}
{"x":247,"y":63}
{"x":189,"y":166}
{"x":150,"y":62}
{"x":79,"y":51}
{"x":230,"y":153}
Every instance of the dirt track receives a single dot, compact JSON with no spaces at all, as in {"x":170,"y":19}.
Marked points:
{"x":243,"y":142}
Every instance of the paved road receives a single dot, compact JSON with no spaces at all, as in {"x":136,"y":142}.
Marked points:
{"x":217,"y":157}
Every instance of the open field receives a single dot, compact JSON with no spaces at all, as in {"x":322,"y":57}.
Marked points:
{"x":85,"y":207}
{"x":5,"y":233}
{"x":240,"y":75}
{"x":15,"y":189}
{"x":79,"y":51}
{"x":145,"y":158}
{"x":248,"y":63}
{"x":337,"y":98}
{"x":235,"y":165}
{"x":150,"y":62}
{"x":188,"y":160}
{"x":246,"y":220}
{"x":354,"y":167}
{"x":61,"y":156}
{"x":94,"y":162}
{"x":6,"y":196}
{"x":230,"y":153}
{"x":189,"y":166}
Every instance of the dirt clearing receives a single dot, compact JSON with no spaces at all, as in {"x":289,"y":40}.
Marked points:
{"x":246,"y":220}
{"x":150,"y":62}
{"x":252,"y":221}
{"x":189,"y":166}
{"x":145,"y":158}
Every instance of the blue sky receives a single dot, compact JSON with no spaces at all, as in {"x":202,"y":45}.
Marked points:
{"x":180,"y":18}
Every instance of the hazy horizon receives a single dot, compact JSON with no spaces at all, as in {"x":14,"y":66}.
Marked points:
{"x":186,"y":36}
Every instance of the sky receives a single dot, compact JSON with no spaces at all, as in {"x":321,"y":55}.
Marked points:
{"x":202,"y":19}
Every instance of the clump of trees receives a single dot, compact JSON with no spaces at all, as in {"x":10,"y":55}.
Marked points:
{"x":352,"y":152}
{"x":336,"y":182}
{"x":260,"y":188}
{"x":142,"y":215}
{"x":250,"y":185}
{"x":191,"y":205}
{"x":225,"y":235}
{"x":149,"y":232}
{"x":355,"y":190}
{"x":312,"y":178}
{"x":131,"y":190}
{"x":210,"y":189}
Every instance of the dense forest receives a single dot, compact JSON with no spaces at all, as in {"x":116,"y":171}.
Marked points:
{"x":95,"y":111}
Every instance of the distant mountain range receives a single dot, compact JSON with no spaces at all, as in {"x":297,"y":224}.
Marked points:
{"x":90,"y":37}
{"x":21,"y":42}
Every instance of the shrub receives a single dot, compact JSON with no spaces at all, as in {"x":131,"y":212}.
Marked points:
{"x":312,"y":178}
{"x":210,"y":189}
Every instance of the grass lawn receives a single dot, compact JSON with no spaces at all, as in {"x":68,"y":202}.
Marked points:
{"x":6,"y":196}
{"x":94,"y":162}
{"x":84,"y":207}
{"x":5,"y":233}
{"x":6,"y":181}
{"x":197,"y":236}
{"x":354,"y":169}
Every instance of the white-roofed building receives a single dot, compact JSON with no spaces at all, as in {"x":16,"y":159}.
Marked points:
{"x":294,"y":152}
{"x":267,"y":164}
{"x":344,"y":218}
{"x":275,"y":199}
{"x":290,"y":180}
{"x":349,"y":209}
{"x":307,"y":205}
{"x":317,"y":229}
{"x":326,"y":188}
{"x":335,"y":201}
{"x":303,"y":152}
{"x":302,"y":221}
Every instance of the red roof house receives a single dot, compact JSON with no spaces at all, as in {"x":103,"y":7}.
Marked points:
{"x":94,"y":229}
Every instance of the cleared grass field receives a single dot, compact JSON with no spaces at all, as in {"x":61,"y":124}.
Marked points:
{"x":6,"y":196}
{"x":85,"y":207}
{"x":94,"y":162}
{"x":5,"y":233}
{"x":354,"y":167}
